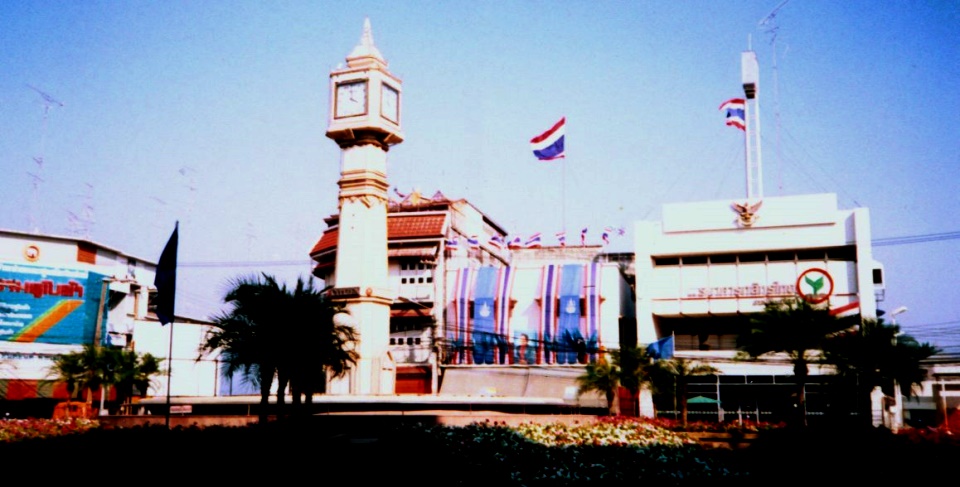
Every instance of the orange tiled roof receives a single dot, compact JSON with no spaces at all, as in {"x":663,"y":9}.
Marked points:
{"x":327,"y":241}
{"x":400,"y":226}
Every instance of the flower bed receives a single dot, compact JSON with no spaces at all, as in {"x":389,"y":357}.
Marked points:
{"x":746,"y":426}
{"x":610,"y":449}
{"x":22,"y":429}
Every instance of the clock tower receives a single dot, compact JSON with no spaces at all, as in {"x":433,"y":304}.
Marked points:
{"x":365,"y":109}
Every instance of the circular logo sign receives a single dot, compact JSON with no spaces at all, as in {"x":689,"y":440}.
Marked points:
{"x":31,"y":253}
{"x":815,"y":285}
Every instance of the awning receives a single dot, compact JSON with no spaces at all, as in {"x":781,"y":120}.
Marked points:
{"x":428,"y":252}
{"x":702,"y":400}
{"x":16,"y":389}
{"x":423,"y":314}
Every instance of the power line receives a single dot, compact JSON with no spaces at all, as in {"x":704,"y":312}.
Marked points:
{"x":877,"y":242}
{"x":911,"y":239}
{"x":248,"y":263}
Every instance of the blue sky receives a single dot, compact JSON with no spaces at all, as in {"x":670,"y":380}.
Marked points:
{"x":213,"y":114}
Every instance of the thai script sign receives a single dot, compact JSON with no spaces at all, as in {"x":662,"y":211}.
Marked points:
{"x":48,"y":304}
{"x":755,"y":290}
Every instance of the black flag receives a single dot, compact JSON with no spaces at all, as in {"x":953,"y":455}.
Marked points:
{"x":166,"y":279}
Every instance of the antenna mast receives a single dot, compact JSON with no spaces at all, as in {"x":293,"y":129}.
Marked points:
{"x":37,"y":177}
{"x":769,"y":26}
{"x":80,"y":223}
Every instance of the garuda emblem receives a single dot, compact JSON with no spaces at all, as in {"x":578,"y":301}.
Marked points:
{"x":748,"y":212}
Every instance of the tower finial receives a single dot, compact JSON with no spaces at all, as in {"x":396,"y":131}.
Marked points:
{"x":366,"y":53}
{"x":366,"y":39}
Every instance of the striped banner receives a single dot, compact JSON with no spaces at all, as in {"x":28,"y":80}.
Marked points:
{"x":570,"y":340}
{"x":504,"y":292}
{"x":483,"y":338}
{"x":548,"y":315}
{"x":592,"y":295}
{"x":459,"y":337}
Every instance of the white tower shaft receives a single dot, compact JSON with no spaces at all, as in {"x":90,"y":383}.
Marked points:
{"x":754,"y":159}
{"x":365,"y":121}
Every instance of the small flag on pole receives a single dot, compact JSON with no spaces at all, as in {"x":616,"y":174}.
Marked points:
{"x":166,"y":279}
{"x":496,"y":241}
{"x":473,"y":242}
{"x":548,"y":146}
{"x":661,"y":349}
{"x":562,"y":238}
{"x":583,"y":236}
{"x":515,"y":243}
{"x":736,"y":109}
{"x":453,"y":244}
{"x":606,"y":235}
{"x":533,"y":242}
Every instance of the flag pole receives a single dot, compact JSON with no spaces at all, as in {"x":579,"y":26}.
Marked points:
{"x":169,"y":372}
{"x":166,"y":283}
{"x":563,"y":196}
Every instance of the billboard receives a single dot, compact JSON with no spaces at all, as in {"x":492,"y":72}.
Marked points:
{"x":56,"y":305}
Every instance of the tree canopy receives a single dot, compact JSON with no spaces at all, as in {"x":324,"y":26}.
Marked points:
{"x":91,"y":368}
{"x":271,"y":332}
{"x":877,"y":354}
{"x":628,"y":367}
{"x":797,"y":328}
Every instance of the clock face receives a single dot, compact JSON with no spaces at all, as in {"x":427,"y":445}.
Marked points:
{"x":351,"y":99}
{"x":390,"y":103}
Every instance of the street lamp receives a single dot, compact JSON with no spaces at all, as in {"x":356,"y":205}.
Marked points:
{"x":898,"y":311}
{"x":897,"y":401}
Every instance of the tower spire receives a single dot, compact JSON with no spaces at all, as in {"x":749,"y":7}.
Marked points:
{"x":366,"y":54}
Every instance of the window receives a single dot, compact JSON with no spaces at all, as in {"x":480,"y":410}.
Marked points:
{"x":666,"y":261}
{"x":86,"y":253}
{"x":781,"y":256}
{"x":812,"y":255}
{"x":416,"y":280}
{"x":723,"y":259}
{"x":848,"y":253}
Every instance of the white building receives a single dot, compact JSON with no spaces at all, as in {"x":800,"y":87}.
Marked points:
{"x":707,"y":266}
{"x":51,"y":290}
{"x":469,"y":318}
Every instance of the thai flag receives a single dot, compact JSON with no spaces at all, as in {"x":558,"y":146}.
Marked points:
{"x":606,"y":235}
{"x":496,"y":241}
{"x":548,"y":146}
{"x":453,"y":244}
{"x":736,"y":112}
{"x":473,"y":242}
{"x":562,"y":238}
{"x":583,"y":236}
{"x":533,"y":242}
{"x":515,"y":243}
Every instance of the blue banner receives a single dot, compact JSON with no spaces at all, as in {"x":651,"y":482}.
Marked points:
{"x":49,"y":304}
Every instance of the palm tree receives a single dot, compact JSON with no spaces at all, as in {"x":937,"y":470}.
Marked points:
{"x":247,"y":334}
{"x":272,"y":332}
{"x":794,"y":327}
{"x":877,"y":354}
{"x":133,"y":373}
{"x":84,"y":371}
{"x":603,"y":377}
{"x":67,"y":368}
{"x":680,"y":370}
{"x":629,"y":367}
{"x":94,"y":367}
{"x":321,"y":344}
